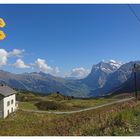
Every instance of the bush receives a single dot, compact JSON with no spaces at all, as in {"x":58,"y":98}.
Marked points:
{"x":51,"y":105}
{"x":59,"y":97}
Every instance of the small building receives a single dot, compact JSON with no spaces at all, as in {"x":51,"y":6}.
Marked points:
{"x":7,"y":101}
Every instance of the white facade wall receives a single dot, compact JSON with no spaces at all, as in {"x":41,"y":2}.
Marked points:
{"x":7,"y":109}
{"x":1,"y":108}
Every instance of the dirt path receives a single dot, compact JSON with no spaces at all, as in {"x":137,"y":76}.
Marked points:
{"x":81,"y":110}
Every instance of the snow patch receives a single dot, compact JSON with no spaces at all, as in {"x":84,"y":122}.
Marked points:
{"x":115,"y":64}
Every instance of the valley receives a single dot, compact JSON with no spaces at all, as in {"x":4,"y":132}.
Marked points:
{"x":106,"y":77}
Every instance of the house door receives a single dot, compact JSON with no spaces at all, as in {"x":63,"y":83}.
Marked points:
{"x":12,"y":109}
{"x":8,"y":112}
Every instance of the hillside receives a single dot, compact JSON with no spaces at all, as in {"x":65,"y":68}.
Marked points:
{"x":118,"y":119}
{"x":58,"y":102}
{"x":128,"y":86}
{"x":43,"y":83}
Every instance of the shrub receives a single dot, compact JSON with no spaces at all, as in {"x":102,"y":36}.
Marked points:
{"x":51,"y":105}
{"x":59,"y":97}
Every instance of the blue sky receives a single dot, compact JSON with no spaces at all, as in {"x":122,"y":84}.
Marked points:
{"x":68,"y":36}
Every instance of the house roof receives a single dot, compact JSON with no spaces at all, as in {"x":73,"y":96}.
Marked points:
{"x":6,"y":91}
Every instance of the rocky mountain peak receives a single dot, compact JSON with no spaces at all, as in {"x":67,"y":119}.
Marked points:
{"x":106,"y":66}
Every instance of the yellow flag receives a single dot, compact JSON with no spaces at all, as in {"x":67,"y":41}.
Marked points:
{"x":2,"y":35}
{"x":2,"y":23}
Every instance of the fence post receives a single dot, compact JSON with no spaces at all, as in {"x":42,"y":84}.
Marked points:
{"x":135,"y":81}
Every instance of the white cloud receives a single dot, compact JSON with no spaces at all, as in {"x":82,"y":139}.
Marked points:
{"x":20,"y":64}
{"x":16,"y":52}
{"x":79,"y":72}
{"x":43,"y":66}
{"x":39,"y":63}
{"x":3,"y":57}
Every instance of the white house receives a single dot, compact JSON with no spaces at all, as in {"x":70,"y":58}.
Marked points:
{"x":7,"y":101}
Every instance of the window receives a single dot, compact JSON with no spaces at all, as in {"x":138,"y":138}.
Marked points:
{"x":8,"y":103}
{"x":12,"y":101}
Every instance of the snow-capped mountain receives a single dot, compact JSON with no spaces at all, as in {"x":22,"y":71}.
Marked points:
{"x":115,"y":79}
{"x":99,"y":73}
{"x":107,"y":66}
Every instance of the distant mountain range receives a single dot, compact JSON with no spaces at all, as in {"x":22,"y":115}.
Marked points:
{"x":105,"y":78}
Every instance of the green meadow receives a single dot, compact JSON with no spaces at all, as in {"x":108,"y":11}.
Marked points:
{"x":115,"y":120}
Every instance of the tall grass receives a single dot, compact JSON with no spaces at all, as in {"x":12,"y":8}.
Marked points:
{"x":118,"y":119}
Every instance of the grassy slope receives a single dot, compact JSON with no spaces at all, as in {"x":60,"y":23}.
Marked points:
{"x":119,"y":119}
{"x":27,"y":105}
{"x":29,"y":101}
{"x":122,"y":119}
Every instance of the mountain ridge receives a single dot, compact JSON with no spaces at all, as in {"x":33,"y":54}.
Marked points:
{"x":104,"y":78}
